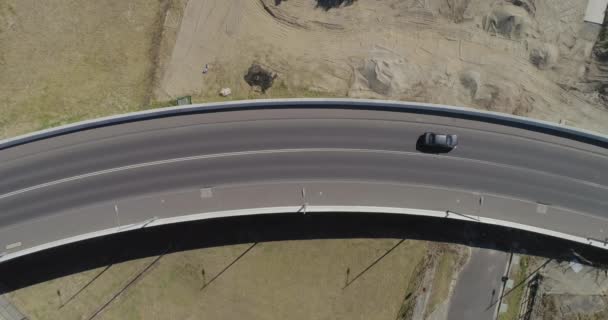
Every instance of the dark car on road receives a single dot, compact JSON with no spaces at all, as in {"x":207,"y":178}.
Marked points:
{"x":439,"y":140}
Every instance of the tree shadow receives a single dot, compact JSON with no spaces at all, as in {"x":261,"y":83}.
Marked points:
{"x":94,"y":253}
{"x":219,"y":274}
{"x":371,"y":265}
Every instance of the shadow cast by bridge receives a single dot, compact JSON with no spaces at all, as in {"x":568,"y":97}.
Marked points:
{"x":109,"y":250}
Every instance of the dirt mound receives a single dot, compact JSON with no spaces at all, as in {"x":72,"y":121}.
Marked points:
{"x":509,"y":20}
{"x":492,"y":94}
{"x":454,"y":10}
{"x":471,"y":80}
{"x":259,"y":78}
{"x":386,"y":74}
{"x":544,"y":56}
{"x":379,"y":75}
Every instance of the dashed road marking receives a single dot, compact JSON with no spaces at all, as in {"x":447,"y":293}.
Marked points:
{"x":206,"y":193}
{"x":13,"y":245}
{"x":541,"y":208}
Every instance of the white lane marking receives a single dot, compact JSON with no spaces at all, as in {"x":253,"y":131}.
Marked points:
{"x":541,"y":208}
{"x":117,"y":215}
{"x":304,"y":150}
{"x":206,"y":193}
{"x":160,"y":162}
{"x":13,"y":245}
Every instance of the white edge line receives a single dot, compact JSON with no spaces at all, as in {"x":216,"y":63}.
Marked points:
{"x":296,"y":209}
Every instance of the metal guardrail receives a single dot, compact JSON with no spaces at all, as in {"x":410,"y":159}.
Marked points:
{"x":580,"y":135}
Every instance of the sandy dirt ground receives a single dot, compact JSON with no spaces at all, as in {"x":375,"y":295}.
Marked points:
{"x":529,"y":60}
{"x":320,"y":279}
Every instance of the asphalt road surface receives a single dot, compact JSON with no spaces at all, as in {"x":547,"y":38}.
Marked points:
{"x":46,"y":179}
{"x":478,"y":288}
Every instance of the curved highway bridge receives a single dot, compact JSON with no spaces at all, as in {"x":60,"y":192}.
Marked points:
{"x":207,"y":161}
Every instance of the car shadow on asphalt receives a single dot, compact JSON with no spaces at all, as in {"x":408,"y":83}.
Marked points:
{"x":99,"y":252}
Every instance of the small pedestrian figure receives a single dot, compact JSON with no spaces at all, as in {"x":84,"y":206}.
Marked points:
{"x":204,"y":278}
{"x":206,"y":68}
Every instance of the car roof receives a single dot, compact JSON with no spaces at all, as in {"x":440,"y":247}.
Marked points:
{"x":441,"y":138}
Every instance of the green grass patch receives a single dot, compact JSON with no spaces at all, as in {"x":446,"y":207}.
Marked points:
{"x":514,"y":297}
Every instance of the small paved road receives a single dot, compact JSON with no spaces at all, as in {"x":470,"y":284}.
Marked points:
{"x":478,"y":286}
